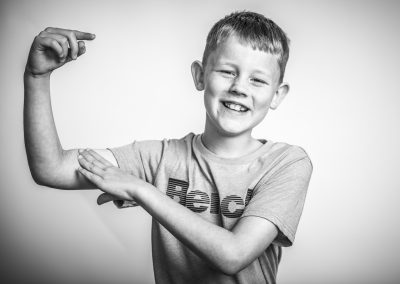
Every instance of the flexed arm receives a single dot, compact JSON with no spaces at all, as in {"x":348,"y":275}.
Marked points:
{"x":50,"y":165}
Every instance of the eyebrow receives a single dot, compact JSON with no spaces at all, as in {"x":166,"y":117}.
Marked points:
{"x":254,"y":71}
{"x":261,"y":72}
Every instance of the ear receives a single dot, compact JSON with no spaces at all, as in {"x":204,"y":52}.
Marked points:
{"x":280,"y":94}
{"x":198,"y":75}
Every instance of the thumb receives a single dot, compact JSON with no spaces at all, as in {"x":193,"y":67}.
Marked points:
{"x":81,"y":48}
{"x":105,"y":197}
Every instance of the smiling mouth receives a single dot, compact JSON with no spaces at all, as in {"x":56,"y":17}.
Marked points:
{"x":235,"y":107}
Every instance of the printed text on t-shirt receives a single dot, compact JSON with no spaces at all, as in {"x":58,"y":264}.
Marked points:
{"x":231,"y":206}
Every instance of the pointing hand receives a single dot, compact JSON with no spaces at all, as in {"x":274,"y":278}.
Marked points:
{"x":54,"y":47}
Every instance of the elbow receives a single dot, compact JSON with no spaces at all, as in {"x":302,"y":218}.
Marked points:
{"x":229,"y":271}
{"x":39,"y":178}
{"x":232,"y":267}
{"x":232,"y":262}
{"x":41,"y":175}
{"x":45,"y":172}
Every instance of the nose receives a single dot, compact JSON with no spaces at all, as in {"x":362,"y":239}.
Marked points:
{"x":238,"y":87}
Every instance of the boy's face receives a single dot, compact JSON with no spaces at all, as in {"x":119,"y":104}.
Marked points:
{"x":240,"y":85}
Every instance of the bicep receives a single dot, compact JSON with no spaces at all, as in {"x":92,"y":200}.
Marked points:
{"x":67,"y":175}
{"x":253,"y":236}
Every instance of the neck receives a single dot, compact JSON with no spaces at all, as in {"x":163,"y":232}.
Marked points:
{"x":229,"y":146}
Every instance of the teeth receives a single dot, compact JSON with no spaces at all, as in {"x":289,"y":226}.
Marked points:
{"x":235,"y":107}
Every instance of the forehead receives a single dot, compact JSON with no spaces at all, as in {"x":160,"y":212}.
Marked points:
{"x":242,"y":55}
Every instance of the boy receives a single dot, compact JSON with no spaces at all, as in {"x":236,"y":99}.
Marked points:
{"x":223,"y":203}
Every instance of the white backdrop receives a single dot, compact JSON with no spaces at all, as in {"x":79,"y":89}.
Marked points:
{"x":134,"y":82}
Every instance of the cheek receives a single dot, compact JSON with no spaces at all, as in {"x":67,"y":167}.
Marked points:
{"x":263,"y":99}
{"x":261,"y":112}
{"x":263,"y":104}
{"x":214,"y":86}
{"x":208,"y":103}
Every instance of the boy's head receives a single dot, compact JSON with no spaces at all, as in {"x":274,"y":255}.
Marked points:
{"x":241,"y":73}
{"x":253,"y":29}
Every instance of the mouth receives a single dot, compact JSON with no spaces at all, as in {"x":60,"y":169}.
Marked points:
{"x":235,"y":106}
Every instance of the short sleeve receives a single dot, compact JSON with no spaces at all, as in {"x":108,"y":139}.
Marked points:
{"x":141,"y":159}
{"x":280,"y":195}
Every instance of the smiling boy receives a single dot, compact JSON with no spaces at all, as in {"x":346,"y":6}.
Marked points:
{"x":223,"y":203}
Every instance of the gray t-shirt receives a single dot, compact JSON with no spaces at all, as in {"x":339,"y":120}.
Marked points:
{"x":269,"y":183}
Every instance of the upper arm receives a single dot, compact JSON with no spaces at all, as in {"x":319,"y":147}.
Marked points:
{"x":280,"y":198}
{"x":66,"y":175}
{"x":273,"y":213}
{"x":253,"y":235}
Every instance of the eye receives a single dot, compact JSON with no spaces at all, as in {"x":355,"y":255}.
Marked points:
{"x":259,"y":81}
{"x":227,"y":72}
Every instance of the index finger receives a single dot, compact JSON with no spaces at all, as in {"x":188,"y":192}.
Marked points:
{"x":98,"y":157}
{"x":78,"y":34}
{"x":84,"y":36}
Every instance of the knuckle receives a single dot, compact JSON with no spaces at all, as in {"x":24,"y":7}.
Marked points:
{"x":53,"y":42}
{"x":64,"y":40}
{"x":43,"y":34}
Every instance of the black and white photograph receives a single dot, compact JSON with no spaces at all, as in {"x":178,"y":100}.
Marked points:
{"x":209,"y":142}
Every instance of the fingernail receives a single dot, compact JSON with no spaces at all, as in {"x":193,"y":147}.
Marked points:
{"x":80,"y":157}
{"x":93,"y":36}
{"x":80,"y":150}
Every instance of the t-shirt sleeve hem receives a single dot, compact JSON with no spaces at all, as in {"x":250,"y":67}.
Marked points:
{"x":285,"y":236}
{"x":120,"y":158}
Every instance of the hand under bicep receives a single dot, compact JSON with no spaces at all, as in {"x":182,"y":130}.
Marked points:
{"x":66,"y":175}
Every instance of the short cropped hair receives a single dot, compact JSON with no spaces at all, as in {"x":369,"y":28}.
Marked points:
{"x":254,"y":29}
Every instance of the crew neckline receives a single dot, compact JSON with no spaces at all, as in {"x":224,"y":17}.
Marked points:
{"x":237,"y":160}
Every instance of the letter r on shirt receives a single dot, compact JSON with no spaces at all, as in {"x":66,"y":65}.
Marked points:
{"x":177,"y":190}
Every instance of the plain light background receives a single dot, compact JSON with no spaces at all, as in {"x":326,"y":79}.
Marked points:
{"x":134,"y":82}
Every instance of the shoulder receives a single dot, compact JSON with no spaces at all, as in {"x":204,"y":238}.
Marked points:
{"x":287,"y":153}
{"x":185,"y":140}
{"x":287,"y":159}
{"x":176,"y":147}
{"x":179,"y":144}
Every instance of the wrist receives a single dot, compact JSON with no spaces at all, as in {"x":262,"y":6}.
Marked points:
{"x":139,"y":188}
{"x":36,"y":83}
{"x":28,"y":74}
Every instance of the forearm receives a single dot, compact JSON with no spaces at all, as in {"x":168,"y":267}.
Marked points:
{"x":229,"y":251}
{"x":42,"y":144}
{"x":218,"y":246}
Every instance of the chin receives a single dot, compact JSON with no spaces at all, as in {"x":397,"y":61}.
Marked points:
{"x":232,"y":131}
{"x":228,"y":127}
